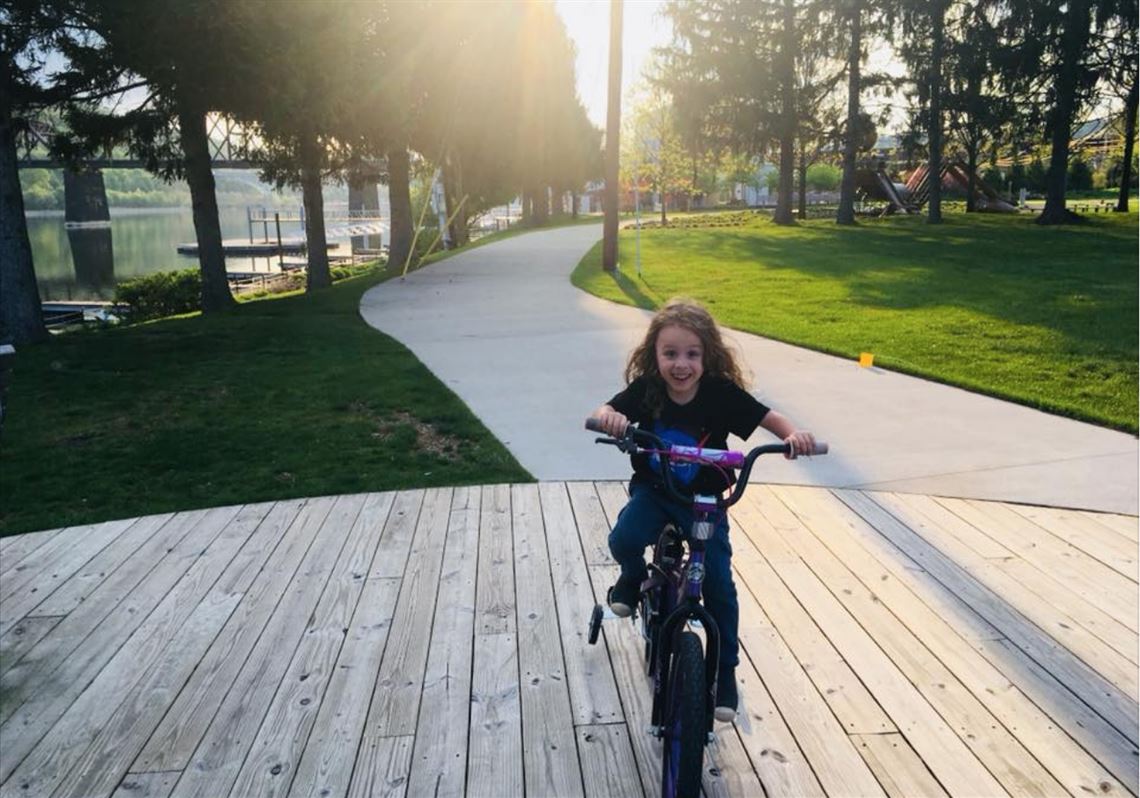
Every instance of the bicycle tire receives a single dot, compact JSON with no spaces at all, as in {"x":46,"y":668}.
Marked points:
{"x":685,"y":722}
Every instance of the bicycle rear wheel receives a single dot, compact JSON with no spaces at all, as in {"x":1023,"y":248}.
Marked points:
{"x":685,"y":723}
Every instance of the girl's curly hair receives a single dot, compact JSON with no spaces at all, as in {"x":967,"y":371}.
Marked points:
{"x":718,"y":360}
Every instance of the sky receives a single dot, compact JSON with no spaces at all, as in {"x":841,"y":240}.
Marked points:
{"x":588,"y":23}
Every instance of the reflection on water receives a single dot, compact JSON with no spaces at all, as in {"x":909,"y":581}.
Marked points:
{"x":94,"y":258}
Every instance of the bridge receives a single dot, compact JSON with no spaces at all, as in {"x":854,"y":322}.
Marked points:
{"x":229,"y":142}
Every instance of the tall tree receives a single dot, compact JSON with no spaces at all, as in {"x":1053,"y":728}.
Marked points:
{"x":613,"y":131}
{"x":22,"y":29}
{"x":1059,"y":53}
{"x":193,"y":58}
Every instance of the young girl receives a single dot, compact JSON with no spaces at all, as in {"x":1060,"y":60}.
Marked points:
{"x":684,"y":385}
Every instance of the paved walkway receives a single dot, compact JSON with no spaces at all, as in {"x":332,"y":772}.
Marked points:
{"x":531,"y":355}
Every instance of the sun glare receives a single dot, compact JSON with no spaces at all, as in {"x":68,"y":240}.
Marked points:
{"x":588,"y":23}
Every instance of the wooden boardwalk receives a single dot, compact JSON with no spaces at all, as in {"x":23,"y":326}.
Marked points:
{"x":433,"y":643}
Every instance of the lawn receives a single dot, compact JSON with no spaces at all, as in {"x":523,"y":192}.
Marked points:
{"x":1045,"y":316}
{"x":281,"y":398}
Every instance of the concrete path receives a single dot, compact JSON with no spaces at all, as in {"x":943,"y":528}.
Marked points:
{"x":532,"y":356}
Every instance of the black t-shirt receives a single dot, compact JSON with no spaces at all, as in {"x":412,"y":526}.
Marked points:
{"x":720,"y":407}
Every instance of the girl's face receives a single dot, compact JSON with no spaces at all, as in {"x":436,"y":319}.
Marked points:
{"x":680,"y":361}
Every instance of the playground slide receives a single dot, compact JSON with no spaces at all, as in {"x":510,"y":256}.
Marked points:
{"x":892,"y":193}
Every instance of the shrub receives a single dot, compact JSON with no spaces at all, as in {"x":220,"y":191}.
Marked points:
{"x":161,"y":294}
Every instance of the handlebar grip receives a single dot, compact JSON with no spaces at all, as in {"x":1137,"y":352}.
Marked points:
{"x":820,"y":448}
{"x":593,"y":424}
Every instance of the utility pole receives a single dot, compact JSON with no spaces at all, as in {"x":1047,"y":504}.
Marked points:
{"x":613,"y":125}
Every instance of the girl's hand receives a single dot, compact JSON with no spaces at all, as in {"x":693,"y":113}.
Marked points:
{"x":612,"y":422}
{"x":802,"y":442}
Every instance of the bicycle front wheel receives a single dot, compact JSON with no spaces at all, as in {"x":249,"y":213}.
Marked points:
{"x":685,"y":722}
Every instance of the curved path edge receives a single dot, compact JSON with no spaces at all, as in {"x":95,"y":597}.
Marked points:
{"x":532,"y":355}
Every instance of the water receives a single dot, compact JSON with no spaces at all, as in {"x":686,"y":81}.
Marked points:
{"x":87,"y":264}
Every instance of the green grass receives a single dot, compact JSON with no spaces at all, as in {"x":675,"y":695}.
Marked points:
{"x":279,"y":398}
{"x":1045,"y":316}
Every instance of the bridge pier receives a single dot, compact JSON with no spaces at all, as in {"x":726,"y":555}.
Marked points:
{"x":85,"y":198}
{"x":364,"y":200}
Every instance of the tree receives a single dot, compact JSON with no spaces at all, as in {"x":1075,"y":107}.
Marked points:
{"x":22,"y":31}
{"x":746,"y":51}
{"x":923,"y":49}
{"x":613,"y":127}
{"x":652,"y":147}
{"x":192,"y":58}
{"x":1059,"y":48}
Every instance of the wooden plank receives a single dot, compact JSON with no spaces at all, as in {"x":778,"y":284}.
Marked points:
{"x":382,"y":768}
{"x":798,"y":638}
{"x":495,"y":590}
{"x":22,"y":637}
{"x":771,"y":748}
{"x":592,"y":523}
{"x":974,"y":539}
{"x":439,"y":758}
{"x":163,"y":548}
{"x":893,"y":623}
{"x":147,"y":785}
{"x":1085,"y":534}
{"x":1115,"y":594}
{"x":396,"y":697}
{"x":613,"y":497}
{"x":326,"y":764}
{"x":550,"y":759}
{"x":898,"y":768}
{"x":29,"y":587}
{"x":213,"y":768}
{"x":115,"y":741}
{"x":43,"y":697}
{"x":118,"y":554}
{"x":97,"y":726}
{"x":1043,"y":612}
{"x":1113,"y":750}
{"x":272,"y":762}
{"x":295,"y":525}
{"x":495,"y":755}
{"x":593,"y":695}
{"x":399,"y":530}
{"x":1087,"y":683}
{"x":625,"y":646}
{"x":23,"y":564}
{"x":1090,"y":617}
{"x":14,"y":548}
{"x":892,"y":683}
{"x":1127,"y":526}
{"x":608,"y":769}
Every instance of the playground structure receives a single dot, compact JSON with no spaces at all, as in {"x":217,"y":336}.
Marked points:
{"x":910,"y":197}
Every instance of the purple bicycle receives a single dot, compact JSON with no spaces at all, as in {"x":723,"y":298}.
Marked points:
{"x":683,"y":669}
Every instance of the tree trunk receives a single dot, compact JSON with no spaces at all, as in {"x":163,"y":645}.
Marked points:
{"x":400,"y":205}
{"x":664,"y":221}
{"x":316,"y":245}
{"x":846,"y":212}
{"x":1073,"y":39}
{"x":786,"y":68}
{"x":972,"y":177}
{"x":803,"y":182}
{"x":541,"y":206}
{"x":21,"y":313}
{"x":207,"y":229}
{"x":1129,"y":145}
{"x":934,"y":126}
{"x":573,"y":204}
{"x":452,"y":196}
{"x":613,"y":126}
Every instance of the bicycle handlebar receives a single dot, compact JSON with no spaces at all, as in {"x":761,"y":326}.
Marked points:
{"x":637,"y":440}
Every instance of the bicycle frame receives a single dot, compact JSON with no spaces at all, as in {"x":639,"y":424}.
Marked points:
{"x":680,"y":592}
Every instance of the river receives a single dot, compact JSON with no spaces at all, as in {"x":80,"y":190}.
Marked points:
{"x":87,"y":264}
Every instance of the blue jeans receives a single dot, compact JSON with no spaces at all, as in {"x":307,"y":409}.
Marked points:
{"x":639,"y":525}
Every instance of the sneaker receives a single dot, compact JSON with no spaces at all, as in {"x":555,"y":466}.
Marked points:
{"x":726,"y":697}
{"x":622,"y":597}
